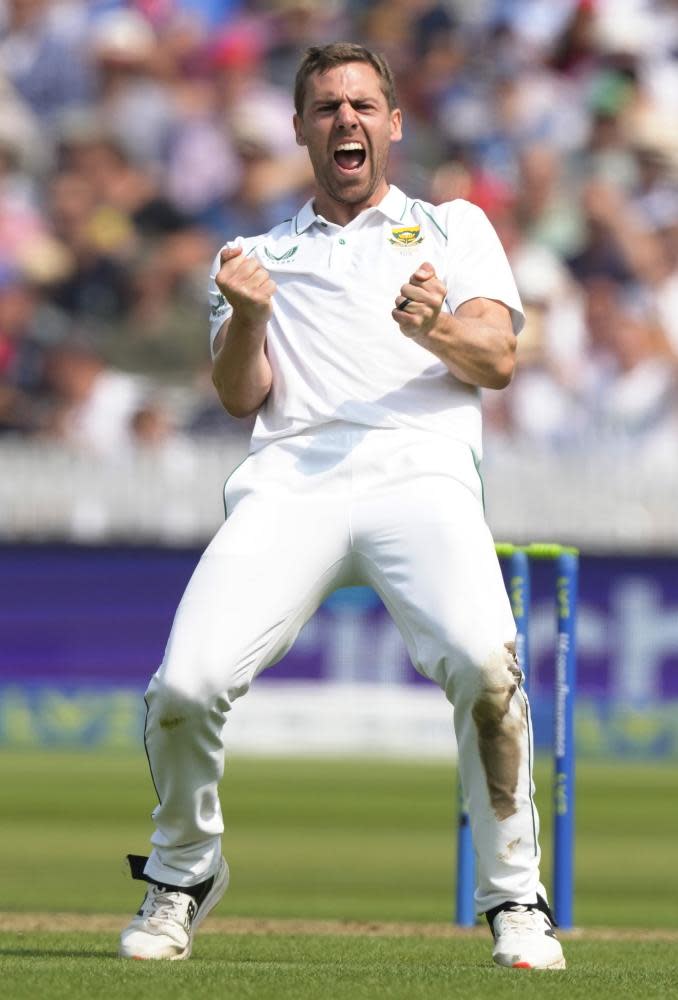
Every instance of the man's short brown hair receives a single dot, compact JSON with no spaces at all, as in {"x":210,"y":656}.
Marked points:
{"x":320,"y":58}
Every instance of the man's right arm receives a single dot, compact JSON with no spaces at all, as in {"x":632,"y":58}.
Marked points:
{"x":241,"y":372}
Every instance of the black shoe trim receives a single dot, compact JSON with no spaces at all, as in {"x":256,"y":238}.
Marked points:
{"x":137,"y":863}
{"x":540,"y":905}
{"x":545,"y":908}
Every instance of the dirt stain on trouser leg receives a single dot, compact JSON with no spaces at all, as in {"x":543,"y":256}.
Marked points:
{"x":501,"y":723}
{"x":172,"y":722}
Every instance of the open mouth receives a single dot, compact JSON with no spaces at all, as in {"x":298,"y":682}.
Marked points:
{"x":350,"y":156}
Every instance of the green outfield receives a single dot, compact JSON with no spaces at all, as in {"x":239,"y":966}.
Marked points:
{"x":312,"y":841}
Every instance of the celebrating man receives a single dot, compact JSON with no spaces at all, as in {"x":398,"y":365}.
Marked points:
{"x":359,"y":332}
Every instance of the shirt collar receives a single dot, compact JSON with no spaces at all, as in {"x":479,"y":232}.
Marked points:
{"x":304,"y":218}
{"x":393,"y":205}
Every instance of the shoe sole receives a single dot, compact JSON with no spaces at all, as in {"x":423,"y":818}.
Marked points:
{"x":558,"y":964}
{"x":208,"y":904}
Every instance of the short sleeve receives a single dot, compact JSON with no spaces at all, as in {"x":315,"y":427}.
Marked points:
{"x":479,"y":266}
{"x":220,"y":307}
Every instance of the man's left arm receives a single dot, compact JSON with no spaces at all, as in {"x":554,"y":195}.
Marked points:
{"x":477,"y":343}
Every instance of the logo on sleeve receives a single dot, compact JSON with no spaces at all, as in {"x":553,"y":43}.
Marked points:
{"x":220,"y":306}
{"x":406,"y":237}
{"x":284,"y":258}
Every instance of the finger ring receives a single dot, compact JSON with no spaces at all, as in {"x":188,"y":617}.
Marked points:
{"x":404,"y":304}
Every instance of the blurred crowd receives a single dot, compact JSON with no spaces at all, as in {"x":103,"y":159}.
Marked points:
{"x":137,"y":137}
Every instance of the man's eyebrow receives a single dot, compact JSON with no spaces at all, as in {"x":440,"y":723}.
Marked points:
{"x":335,"y":99}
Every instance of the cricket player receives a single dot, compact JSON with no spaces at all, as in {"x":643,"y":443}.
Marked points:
{"x":359,"y":332}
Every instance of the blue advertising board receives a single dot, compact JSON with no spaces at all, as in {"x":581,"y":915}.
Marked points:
{"x":83,"y":628}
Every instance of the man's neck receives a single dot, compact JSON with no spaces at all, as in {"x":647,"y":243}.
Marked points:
{"x":341,"y":213}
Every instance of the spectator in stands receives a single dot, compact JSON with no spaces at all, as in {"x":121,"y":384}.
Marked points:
{"x":22,"y":354}
{"x":163,"y":247}
{"x":154,"y":435}
{"x":256,"y":113}
{"x":632,"y":387}
{"x":91,"y":405}
{"x":204,"y":169}
{"x":641,"y":235}
{"x":42,"y":56}
{"x":100,"y":242}
{"x":133,"y":100}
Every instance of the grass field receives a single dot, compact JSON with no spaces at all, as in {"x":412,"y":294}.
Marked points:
{"x":313,"y":841}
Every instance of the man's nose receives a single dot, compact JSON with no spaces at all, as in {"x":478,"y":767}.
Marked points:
{"x":346,"y":116}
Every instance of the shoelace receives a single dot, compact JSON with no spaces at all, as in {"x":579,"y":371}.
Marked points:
{"x":521,"y":920}
{"x":161,"y":905}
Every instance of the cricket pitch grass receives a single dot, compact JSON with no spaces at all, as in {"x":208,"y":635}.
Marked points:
{"x":342,"y":884}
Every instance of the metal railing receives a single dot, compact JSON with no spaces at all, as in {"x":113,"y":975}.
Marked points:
{"x":590,"y":497}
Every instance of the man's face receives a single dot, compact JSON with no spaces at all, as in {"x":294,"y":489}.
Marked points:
{"x":348,"y":130}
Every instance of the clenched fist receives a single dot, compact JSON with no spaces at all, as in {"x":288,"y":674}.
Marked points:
{"x":246,"y":285}
{"x":419,"y":303}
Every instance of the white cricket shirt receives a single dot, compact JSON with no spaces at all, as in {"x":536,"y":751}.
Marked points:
{"x":335,"y":352}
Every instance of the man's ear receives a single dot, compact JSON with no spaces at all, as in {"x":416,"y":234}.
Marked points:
{"x":299,"y":130}
{"x":396,"y":125}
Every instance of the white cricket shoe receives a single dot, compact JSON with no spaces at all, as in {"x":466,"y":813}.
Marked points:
{"x":524,"y":937}
{"x":169,"y":916}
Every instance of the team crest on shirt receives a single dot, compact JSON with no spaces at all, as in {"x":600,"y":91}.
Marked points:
{"x":284,"y":258}
{"x":406,"y":238}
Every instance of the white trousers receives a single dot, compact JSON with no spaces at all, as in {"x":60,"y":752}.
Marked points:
{"x":400,"y":511}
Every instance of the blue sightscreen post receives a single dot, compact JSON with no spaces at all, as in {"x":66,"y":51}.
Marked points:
{"x":466,"y":866}
{"x":567,"y":573}
{"x":520,"y":596}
